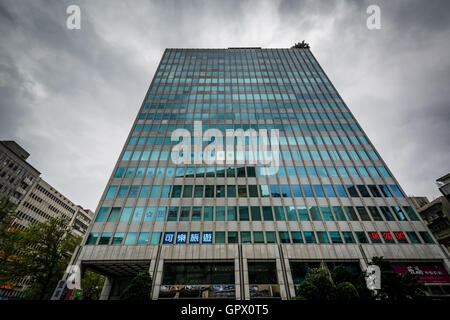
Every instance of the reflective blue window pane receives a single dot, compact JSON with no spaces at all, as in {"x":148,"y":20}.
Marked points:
{"x":396,"y":191}
{"x":131,"y":238}
{"x":143,"y":238}
{"x":156,"y":238}
{"x":123,"y":190}
{"x":137,"y":215}
{"x":307,"y":190}
{"x":119,"y":172}
{"x":111,"y":192}
{"x":319,"y":191}
{"x":126,"y":214}
{"x":102,"y":214}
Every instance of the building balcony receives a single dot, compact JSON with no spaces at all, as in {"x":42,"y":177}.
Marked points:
{"x":21,"y":190}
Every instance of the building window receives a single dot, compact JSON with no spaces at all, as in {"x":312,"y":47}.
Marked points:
{"x":156,"y":238}
{"x":220,"y":237}
{"x":232,"y":237}
{"x":413,"y":237}
{"x":105,"y":238}
{"x":256,"y":213}
{"x":92,"y":238}
{"x":271,"y":237}
{"x":258,"y":237}
{"x":361,"y":237}
{"x":111,"y":192}
{"x":118,"y":238}
{"x":309,"y":237}
{"x":284,"y":236}
{"x":102,"y":214}
{"x":143,"y":238}
{"x":262,"y":272}
{"x":246,"y":237}
{"x":323,"y":237}
{"x":348,"y":237}
{"x":267,"y":213}
{"x":220,"y":213}
{"x":398,"y":213}
{"x":114,"y":215}
{"x":335,"y":237}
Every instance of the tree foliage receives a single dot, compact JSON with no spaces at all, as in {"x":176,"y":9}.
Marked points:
{"x":49,"y":252}
{"x":396,"y":286}
{"x":12,"y":243}
{"x":317,"y":286}
{"x":92,"y":284}
{"x":40,"y":253}
{"x":344,"y":285}
{"x":341,"y":284}
{"x":139,"y":289}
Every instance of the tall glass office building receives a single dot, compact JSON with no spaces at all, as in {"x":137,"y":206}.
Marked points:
{"x":227,"y":228}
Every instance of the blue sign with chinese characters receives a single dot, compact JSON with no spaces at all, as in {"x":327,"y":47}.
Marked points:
{"x":181,"y":237}
{"x":168,"y":237}
{"x":194,"y":237}
{"x":207,"y":237}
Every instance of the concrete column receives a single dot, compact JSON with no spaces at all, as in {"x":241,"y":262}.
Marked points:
{"x":107,"y":286}
{"x":157,"y":278}
{"x":363,"y":264}
{"x":290,"y":284}
{"x":237,"y":279}
{"x":281,"y":279}
{"x":245,"y":277}
{"x":154,"y":259}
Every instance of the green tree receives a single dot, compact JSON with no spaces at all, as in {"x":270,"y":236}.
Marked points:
{"x":396,"y":286}
{"x":343,"y":278}
{"x":139,"y":289}
{"x":345,"y":291}
{"x":91,"y":284}
{"x":317,"y":286}
{"x":12,"y":243}
{"x":51,"y":245}
{"x":341,"y":284}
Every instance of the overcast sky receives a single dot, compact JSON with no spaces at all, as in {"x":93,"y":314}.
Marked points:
{"x":69,"y":97}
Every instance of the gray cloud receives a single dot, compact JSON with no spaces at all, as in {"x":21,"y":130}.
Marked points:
{"x":70,"y":96}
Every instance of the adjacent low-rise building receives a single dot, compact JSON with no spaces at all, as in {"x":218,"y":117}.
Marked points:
{"x":37,"y":201}
{"x":436,"y":214}
{"x":41,"y":203}
{"x":17,"y":176}
{"x":81,"y":220}
{"x":443,"y":184}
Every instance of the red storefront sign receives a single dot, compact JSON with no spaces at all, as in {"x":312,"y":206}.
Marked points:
{"x":426,"y":272}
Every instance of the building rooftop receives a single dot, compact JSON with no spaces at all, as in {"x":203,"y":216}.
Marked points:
{"x":16,"y":148}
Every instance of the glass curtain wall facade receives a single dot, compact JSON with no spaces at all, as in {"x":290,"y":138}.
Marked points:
{"x":332,"y":199}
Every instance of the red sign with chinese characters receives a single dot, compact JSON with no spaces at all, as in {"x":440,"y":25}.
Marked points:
{"x":400,"y":235}
{"x":426,"y":272}
{"x":387,"y":236}
{"x":374,"y":235}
